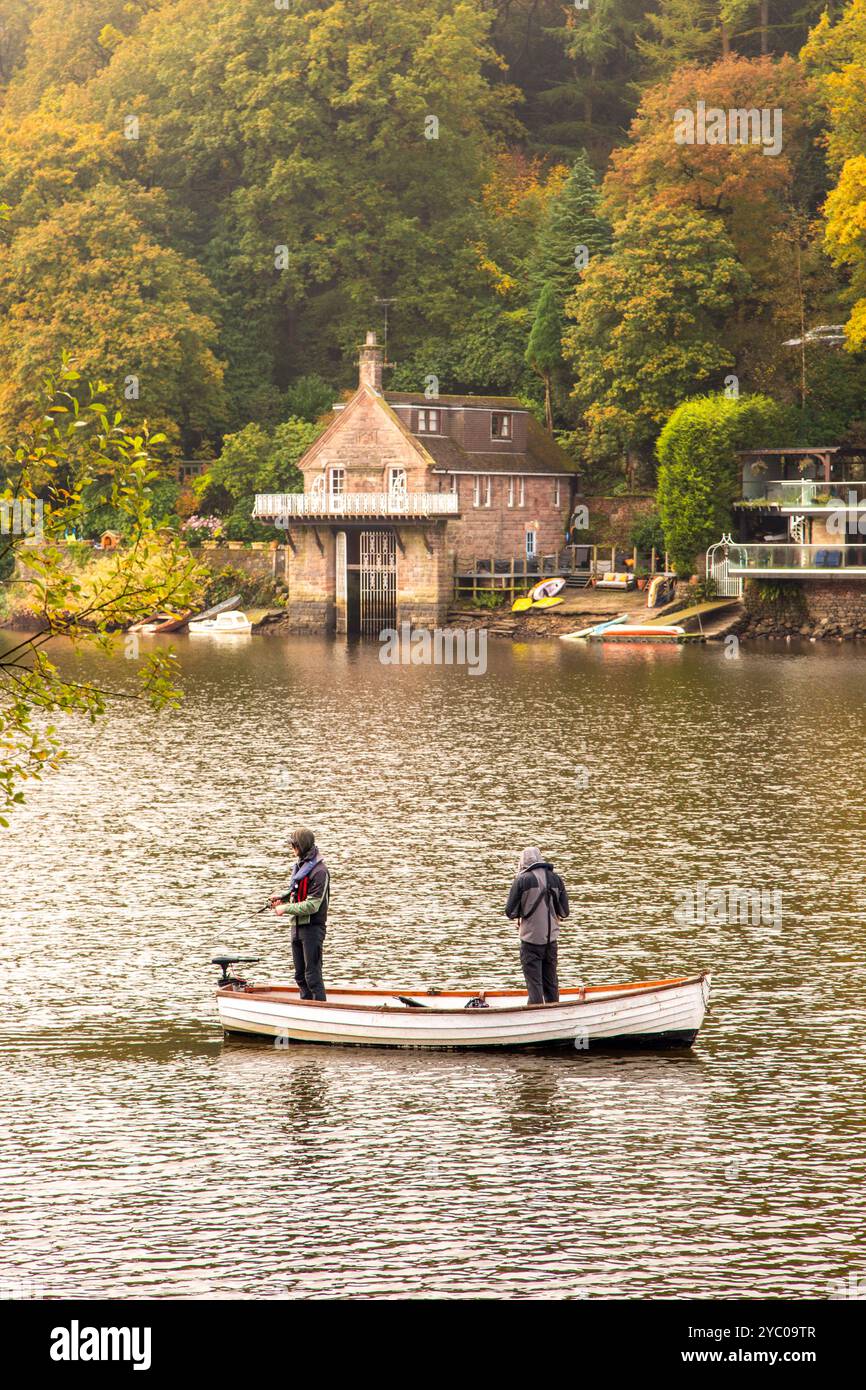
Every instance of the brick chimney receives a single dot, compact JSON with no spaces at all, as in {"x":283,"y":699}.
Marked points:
{"x":370,"y":363}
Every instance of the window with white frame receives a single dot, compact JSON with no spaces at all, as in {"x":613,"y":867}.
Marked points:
{"x":482,"y":490}
{"x":557,"y":495}
{"x":530,"y":544}
{"x":397,"y":480}
{"x":500,"y":425}
{"x":337,"y":481}
{"x":428,"y":421}
{"x":511,"y":492}
{"x":521,"y":492}
{"x":452,"y":484}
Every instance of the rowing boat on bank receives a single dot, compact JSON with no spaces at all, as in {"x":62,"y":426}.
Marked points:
{"x":653,"y":1013}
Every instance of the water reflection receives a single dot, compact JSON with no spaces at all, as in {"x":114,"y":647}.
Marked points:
{"x":641,"y":771}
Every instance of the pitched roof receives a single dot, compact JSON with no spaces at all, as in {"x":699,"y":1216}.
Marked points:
{"x":482,"y":402}
{"x":541,"y":455}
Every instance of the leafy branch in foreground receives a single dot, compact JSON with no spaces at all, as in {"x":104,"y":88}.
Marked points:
{"x":76,"y":441}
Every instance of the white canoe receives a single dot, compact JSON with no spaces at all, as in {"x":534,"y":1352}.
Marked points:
{"x":653,"y":1013}
{"x":547,"y":588}
{"x":641,"y":632}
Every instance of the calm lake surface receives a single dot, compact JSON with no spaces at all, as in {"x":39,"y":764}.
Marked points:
{"x":141,"y":1155}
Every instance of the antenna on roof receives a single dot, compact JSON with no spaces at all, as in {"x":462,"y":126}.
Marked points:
{"x":385,"y":304}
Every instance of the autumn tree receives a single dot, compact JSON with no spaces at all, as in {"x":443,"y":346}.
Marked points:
{"x":133,"y":310}
{"x":836,"y":55}
{"x":315,"y":159}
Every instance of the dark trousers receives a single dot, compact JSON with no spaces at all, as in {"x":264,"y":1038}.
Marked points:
{"x":539,"y":971}
{"x":307,"y":954}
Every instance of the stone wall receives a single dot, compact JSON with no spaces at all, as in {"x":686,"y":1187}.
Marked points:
{"x":258,"y":558}
{"x":312,"y":580}
{"x":424,"y":576}
{"x":499,"y":531}
{"x":611,"y":518}
{"x":819,"y":608}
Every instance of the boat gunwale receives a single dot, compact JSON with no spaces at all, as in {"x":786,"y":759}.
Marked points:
{"x":266,"y":994}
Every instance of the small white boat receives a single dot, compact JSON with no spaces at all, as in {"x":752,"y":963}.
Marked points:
{"x":234,"y":624}
{"x":651,"y":1013}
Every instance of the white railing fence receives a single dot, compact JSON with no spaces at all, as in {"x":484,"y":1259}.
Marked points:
{"x":285,"y":505}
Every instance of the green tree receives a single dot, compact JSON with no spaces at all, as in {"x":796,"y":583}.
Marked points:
{"x":648,"y":327}
{"x":309,"y":397}
{"x":697,"y":454}
{"x":274,"y":132}
{"x":257,"y":460}
{"x":571,"y":234}
{"x":74,"y":437}
{"x":544,"y":349}
{"x":593,"y":99}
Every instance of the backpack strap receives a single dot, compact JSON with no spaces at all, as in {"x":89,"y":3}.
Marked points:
{"x":543,"y":893}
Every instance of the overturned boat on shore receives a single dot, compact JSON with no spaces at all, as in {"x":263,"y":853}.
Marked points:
{"x":647,"y":1014}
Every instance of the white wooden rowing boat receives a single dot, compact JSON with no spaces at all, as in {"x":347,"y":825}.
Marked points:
{"x":654,"y":1013}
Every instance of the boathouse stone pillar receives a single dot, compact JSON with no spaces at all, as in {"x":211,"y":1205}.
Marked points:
{"x":341,"y":581}
{"x":312,"y":604}
{"x":424,"y":576}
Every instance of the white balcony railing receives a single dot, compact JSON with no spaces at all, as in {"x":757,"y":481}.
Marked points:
{"x":284,"y":507}
{"x":782,"y":492}
{"x":792,"y":558}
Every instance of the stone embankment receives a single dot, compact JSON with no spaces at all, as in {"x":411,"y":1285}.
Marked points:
{"x":814,"y":610}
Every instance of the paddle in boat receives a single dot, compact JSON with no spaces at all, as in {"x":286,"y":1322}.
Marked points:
{"x":647,"y":1014}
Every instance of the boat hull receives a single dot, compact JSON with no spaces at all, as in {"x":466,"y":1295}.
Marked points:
{"x":660,"y":1014}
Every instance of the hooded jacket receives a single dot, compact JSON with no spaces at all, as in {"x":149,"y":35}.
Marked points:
{"x":306,"y":902}
{"x":537,"y":899}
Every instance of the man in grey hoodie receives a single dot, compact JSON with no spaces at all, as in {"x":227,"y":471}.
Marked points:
{"x":538,"y":901}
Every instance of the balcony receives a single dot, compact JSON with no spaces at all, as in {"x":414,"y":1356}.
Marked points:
{"x":754,"y":561}
{"x":803,"y":494}
{"x":283,"y":508}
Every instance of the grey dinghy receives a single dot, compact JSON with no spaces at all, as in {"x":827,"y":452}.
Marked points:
{"x":649,"y":1013}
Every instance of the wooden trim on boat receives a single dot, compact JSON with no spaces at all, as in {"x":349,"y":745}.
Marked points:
{"x":278,"y":993}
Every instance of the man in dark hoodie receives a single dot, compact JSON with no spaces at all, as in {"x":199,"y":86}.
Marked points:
{"x":306,"y":902}
{"x":538,"y":901}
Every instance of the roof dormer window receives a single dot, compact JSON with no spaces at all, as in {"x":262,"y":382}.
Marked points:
{"x":428,"y":421}
{"x":500,"y":425}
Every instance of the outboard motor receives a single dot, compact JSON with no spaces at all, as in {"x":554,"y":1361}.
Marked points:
{"x":227,"y":981}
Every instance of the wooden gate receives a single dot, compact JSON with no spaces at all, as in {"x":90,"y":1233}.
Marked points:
{"x":378,"y":581}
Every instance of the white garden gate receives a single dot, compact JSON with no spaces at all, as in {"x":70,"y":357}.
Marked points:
{"x":718,"y":568}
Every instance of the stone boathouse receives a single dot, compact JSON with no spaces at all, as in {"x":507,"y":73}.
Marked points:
{"x":401,"y":490}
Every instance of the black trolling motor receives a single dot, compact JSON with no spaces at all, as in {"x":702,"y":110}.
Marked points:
{"x":227,"y":981}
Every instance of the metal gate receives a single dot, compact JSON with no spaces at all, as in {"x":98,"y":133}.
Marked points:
{"x":378,"y":581}
{"x":718,"y":565}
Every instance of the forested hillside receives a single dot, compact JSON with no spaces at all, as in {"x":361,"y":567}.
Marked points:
{"x":207,"y":203}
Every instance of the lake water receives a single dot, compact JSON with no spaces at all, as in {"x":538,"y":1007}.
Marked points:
{"x":140,"y":1154}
